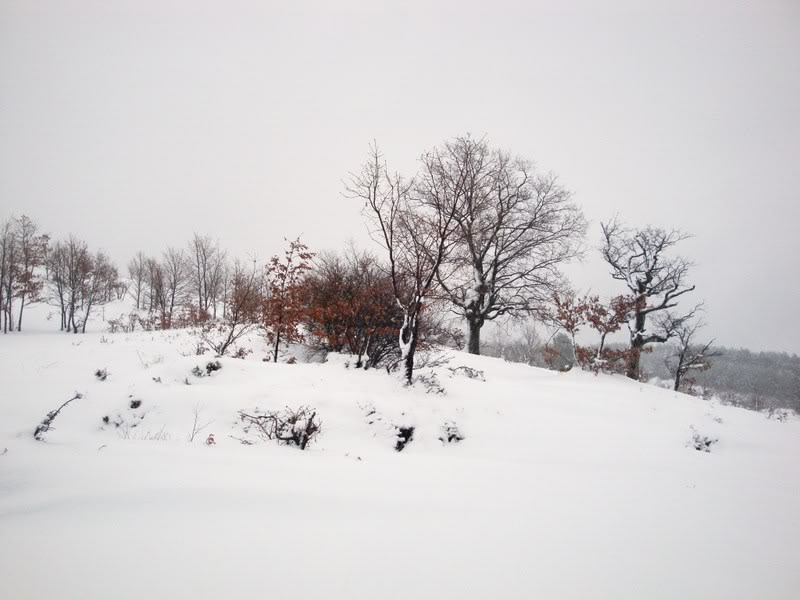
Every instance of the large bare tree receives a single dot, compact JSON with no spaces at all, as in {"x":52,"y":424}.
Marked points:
{"x":515,"y":228}
{"x":641,"y":259}
{"x":414,"y":220}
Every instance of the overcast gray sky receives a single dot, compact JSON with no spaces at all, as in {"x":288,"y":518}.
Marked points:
{"x":135,"y":123}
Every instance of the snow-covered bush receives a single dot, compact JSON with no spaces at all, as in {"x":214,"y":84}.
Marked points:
{"x":212,"y":366}
{"x":468,"y":372}
{"x":701,"y":442}
{"x":450,"y":433}
{"x":241,"y":352}
{"x":101,"y":374}
{"x":431,"y":384}
{"x":778,"y":414}
{"x":404,"y":433}
{"x":297,"y":427}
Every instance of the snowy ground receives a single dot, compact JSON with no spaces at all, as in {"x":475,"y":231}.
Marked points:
{"x":566,"y":486}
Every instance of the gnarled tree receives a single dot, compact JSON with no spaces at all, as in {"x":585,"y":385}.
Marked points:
{"x":689,"y":355}
{"x":640,"y":258}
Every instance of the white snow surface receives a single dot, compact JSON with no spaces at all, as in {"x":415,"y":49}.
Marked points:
{"x":565,"y":486}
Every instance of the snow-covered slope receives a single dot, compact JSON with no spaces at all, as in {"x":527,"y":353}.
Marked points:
{"x":565,"y":486}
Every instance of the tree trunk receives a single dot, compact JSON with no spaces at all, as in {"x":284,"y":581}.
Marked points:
{"x":632,"y":370}
{"x":21,"y":306}
{"x":277,"y":346}
{"x":409,"y":362}
{"x":411,"y":350}
{"x":636,"y":341}
{"x":474,"y":343}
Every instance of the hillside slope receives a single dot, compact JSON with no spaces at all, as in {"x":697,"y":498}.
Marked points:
{"x":565,"y":485}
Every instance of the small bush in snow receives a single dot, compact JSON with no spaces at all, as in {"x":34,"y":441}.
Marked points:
{"x":468,"y":372}
{"x":450,"y":433}
{"x":291,"y":427}
{"x":197,"y":372}
{"x":212,"y":366}
{"x":431,"y":384}
{"x":129,"y":432}
{"x":700,"y":442}
{"x":241,"y":352}
{"x":136,"y":404}
{"x":404,"y":436}
{"x":778,"y":414}
{"x":101,"y":374}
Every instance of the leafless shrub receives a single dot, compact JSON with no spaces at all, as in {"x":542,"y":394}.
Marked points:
{"x":777,"y":414}
{"x":450,"y":433}
{"x":468,"y":372}
{"x":431,"y":384}
{"x":291,"y":427}
{"x":101,"y":374}
{"x":196,"y":426}
{"x":128,"y":432}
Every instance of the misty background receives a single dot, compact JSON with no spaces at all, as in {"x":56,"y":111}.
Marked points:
{"x":135,"y":124}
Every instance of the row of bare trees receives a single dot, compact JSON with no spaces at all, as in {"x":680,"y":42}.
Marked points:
{"x":80,"y":280}
{"x":198,"y":276}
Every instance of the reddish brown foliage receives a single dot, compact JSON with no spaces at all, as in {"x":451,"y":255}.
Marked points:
{"x":283,"y":309}
{"x":350,"y":307}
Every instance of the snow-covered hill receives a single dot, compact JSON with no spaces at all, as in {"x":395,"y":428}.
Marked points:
{"x":564,"y":486}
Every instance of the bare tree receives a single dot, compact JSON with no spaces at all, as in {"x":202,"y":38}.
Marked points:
{"x":414,"y":222}
{"x":243,"y":312}
{"x":99,"y":280}
{"x":75,"y":266}
{"x":79,"y":281}
{"x":171,"y":280}
{"x":32,"y":251}
{"x":197,"y":427}
{"x":207,"y":273}
{"x":640,"y":259}
{"x":689,"y":355}
{"x":515,"y":228}
{"x":57,"y":278}
{"x":8,"y":271}
{"x":137,"y":271}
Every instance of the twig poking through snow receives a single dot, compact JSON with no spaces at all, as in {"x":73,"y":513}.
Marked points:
{"x":47,"y":424}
